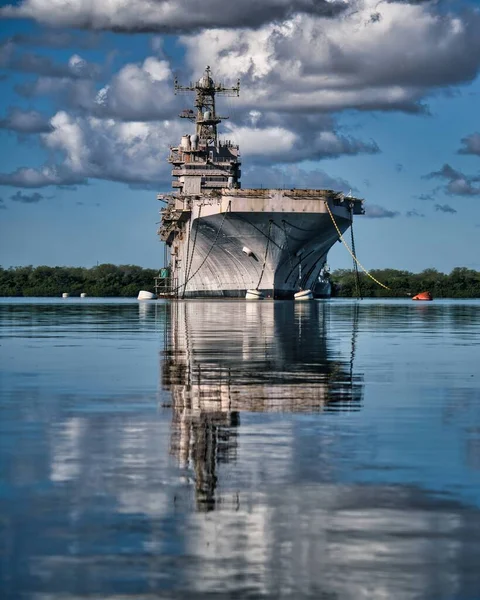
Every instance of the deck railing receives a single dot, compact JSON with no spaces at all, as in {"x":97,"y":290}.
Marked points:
{"x":166,"y":287}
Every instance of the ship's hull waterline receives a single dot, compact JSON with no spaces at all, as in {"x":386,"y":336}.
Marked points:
{"x":277,"y":245}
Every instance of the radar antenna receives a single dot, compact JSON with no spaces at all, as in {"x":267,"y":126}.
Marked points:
{"x":206,"y":118}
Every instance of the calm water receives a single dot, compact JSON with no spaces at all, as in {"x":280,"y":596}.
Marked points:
{"x":231,"y":449}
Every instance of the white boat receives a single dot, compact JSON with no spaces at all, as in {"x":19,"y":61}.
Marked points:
{"x":144,"y":295}
{"x":303,"y":295}
{"x":254,"y":295}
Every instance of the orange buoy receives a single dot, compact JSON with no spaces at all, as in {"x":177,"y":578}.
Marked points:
{"x":423,"y":296}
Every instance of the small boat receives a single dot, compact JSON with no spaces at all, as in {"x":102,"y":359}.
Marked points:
{"x":254,"y":295}
{"x":423,"y":296}
{"x":144,"y":295}
{"x":304,"y":295}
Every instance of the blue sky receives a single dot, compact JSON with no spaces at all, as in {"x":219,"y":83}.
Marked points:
{"x":370,"y":96}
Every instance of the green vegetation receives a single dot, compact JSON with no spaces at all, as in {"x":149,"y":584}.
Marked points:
{"x":126,"y":281}
{"x":460,"y":283}
{"x":102,"y":281}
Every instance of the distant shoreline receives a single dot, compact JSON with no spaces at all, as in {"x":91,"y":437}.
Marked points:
{"x":459,"y":283}
{"x":125,"y":281}
{"x":102,"y":281}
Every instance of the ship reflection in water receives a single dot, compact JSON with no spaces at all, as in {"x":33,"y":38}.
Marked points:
{"x":252,"y":357}
{"x":222,"y":449}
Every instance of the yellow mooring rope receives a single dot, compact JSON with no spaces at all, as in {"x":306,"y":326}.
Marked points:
{"x":350,"y":252}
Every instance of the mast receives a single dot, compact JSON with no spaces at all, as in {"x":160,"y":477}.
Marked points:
{"x":206,"y":118}
{"x":202,"y":162}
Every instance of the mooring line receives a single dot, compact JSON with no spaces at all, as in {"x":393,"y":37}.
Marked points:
{"x":189,"y":263}
{"x":266,"y":253}
{"x":208,"y":253}
{"x":350,"y":252}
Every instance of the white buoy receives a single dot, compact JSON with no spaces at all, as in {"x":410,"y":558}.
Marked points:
{"x":143,"y":295}
{"x":83,"y":295}
{"x":65,"y":295}
{"x":304,"y":295}
{"x":254,"y":295}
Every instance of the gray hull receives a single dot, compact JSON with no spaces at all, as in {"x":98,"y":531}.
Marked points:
{"x":277,"y":245}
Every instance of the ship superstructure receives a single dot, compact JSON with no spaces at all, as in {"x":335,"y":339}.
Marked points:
{"x":224,"y":240}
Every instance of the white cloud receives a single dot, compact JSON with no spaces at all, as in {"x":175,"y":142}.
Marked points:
{"x":140,"y":92}
{"x":166,"y":15}
{"x":158,"y":70}
{"x":269,"y":141}
{"x":294,"y":141}
{"x":107,"y":149}
{"x":123,"y":130}
{"x":294,"y":69}
{"x":372,"y":55}
{"x":27,"y":198}
{"x":445,"y":208}
{"x":316,"y":64}
{"x":137,"y":92}
{"x":456,"y":183}
{"x":89,"y":147}
{"x":374,"y":211}
{"x":25,"y":121}
{"x":471,"y":144}
{"x":29,"y":62}
{"x":83,"y":147}
{"x":291,"y":176}
{"x":77,"y":64}
{"x":27,"y":177}
{"x":414,"y":213}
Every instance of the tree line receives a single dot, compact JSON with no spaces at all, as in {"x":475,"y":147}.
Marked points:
{"x":101,"y":281}
{"x":460,"y":283}
{"x":109,"y":280}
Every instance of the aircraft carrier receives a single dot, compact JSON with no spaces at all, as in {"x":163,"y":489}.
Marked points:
{"x":225,"y":241}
